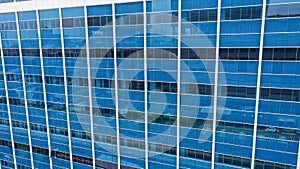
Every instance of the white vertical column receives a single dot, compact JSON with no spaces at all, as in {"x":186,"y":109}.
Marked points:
{"x":213,"y":151}
{"x":44,"y":85}
{"x":146,"y":84}
{"x":24,"y":89}
{"x":261,"y":45}
{"x":90,"y":85}
{"x":66,"y":86}
{"x":178,"y":86}
{"x":298,"y":160}
{"x":116,"y":83}
{"x":8,"y":105}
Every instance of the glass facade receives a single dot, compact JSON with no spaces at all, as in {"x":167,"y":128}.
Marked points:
{"x":151,"y":84}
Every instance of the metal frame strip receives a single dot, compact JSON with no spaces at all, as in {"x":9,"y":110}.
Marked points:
{"x":24,"y":88}
{"x":116,"y":83}
{"x":178,"y":86}
{"x":216,"y":85}
{"x":261,"y":45}
{"x":90,"y":85}
{"x":8,"y":105}
{"x":44,"y":85}
{"x":146,"y":84}
{"x":66,"y":86}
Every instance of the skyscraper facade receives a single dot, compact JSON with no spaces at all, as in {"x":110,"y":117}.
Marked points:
{"x":127,"y":84}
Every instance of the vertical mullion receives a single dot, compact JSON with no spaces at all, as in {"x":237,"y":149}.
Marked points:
{"x":66,"y":87}
{"x":216,"y":86}
{"x":90,"y":86}
{"x":261,"y":45}
{"x":44,"y":85}
{"x":8,"y":105}
{"x":146,"y":83}
{"x":178,"y":86}
{"x":116,"y":83}
{"x":298,"y":160}
{"x":24,"y":88}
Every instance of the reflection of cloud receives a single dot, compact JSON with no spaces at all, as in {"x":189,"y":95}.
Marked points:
{"x":161,"y":5}
{"x":288,"y":10}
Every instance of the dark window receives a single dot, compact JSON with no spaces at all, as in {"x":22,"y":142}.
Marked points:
{"x":185,"y":16}
{"x":290,"y":54}
{"x":68,"y":23}
{"x":243,"y":54}
{"x":278,"y":54}
{"x":280,"y":94}
{"x":31,"y":52}
{"x":268,"y":165}
{"x":268,"y":54}
{"x":253,"y":54}
{"x":281,"y":54}
{"x":197,"y":15}
{"x":132,"y":53}
{"x":248,"y":92}
{"x":256,"y":12}
{"x":246,"y":13}
{"x":242,"y":13}
{"x":75,"y":53}
{"x":295,"y":95}
{"x":298,"y":54}
{"x":101,"y":53}
{"x":251,"y":92}
{"x":246,"y":163}
{"x":235,"y":13}
{"x":286,"y":94}
{"x":239,"y":53}
{"x":52,"y":53}
{"x":237,"y":161}
{"x":11,"y":52}
{"x":197,"y":89}
{"x":212,"y":15}
{"x":49,"y":23}
{"x":241,"y":92}
{"x":28,"y":25}
{"x":204,"y":15}
{"x":94,"y":21}
{"x":224,"y":53}
{"x":265,"y":93}
{"x":163,"y":87}
{"x":233,"y":54}
{"x":194,"y":16}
